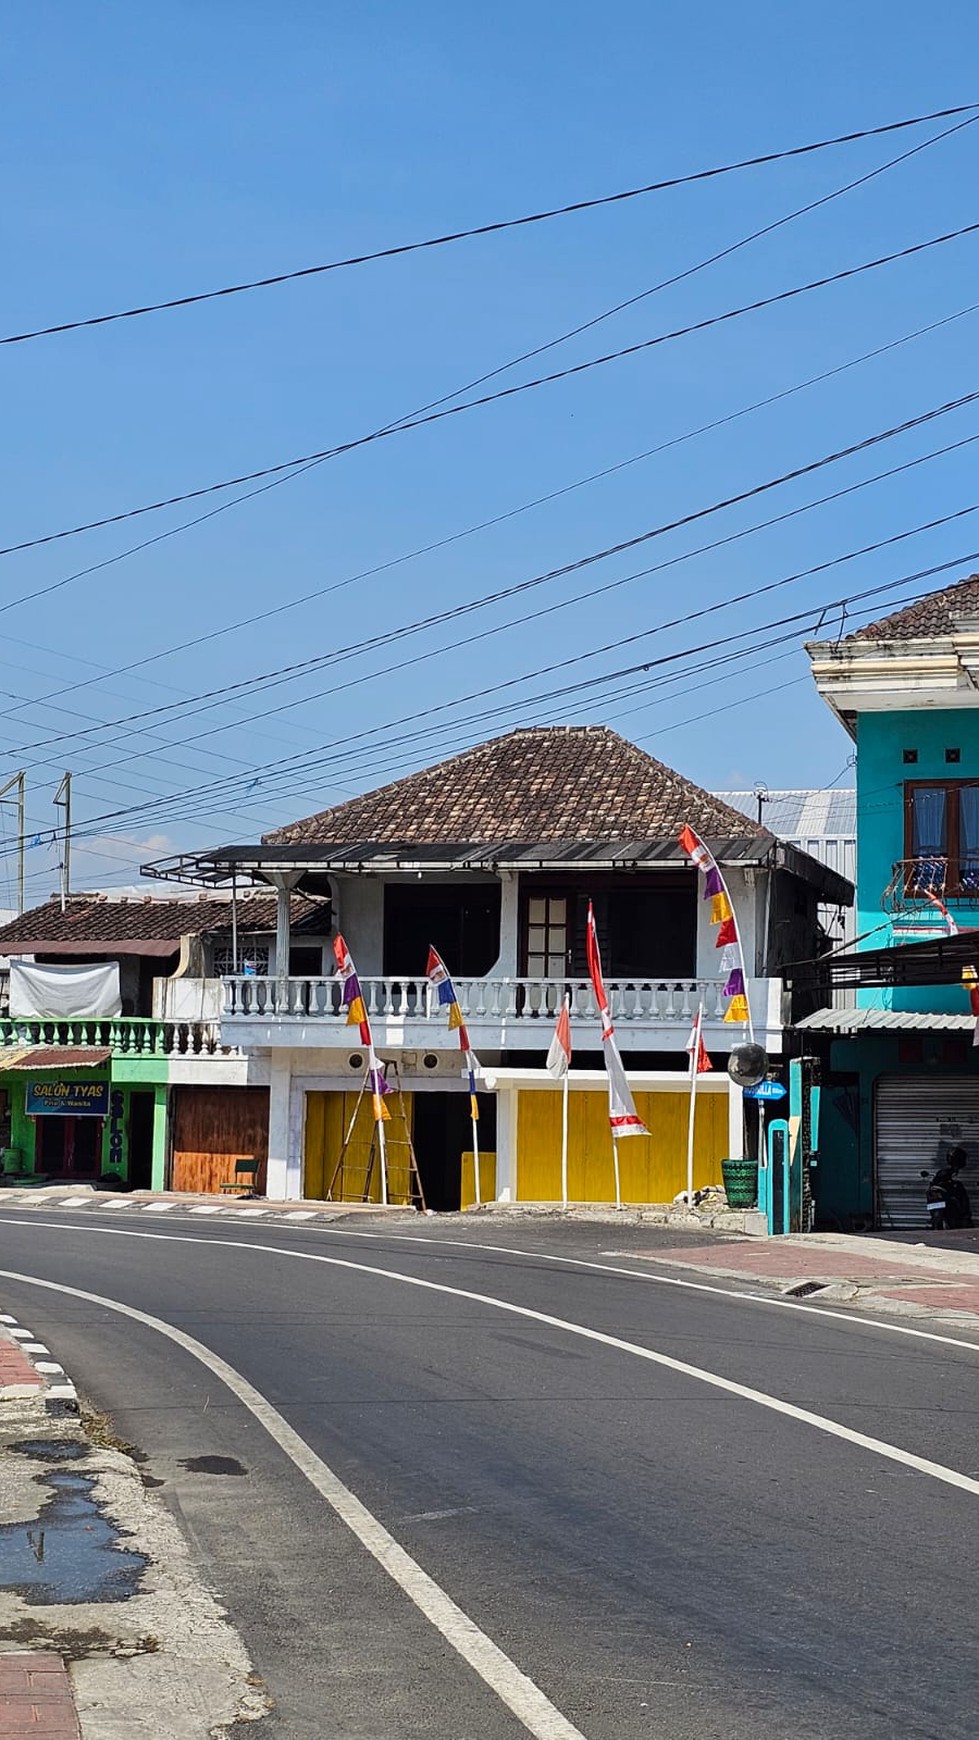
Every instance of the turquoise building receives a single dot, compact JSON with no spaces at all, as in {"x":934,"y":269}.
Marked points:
{"x":900,"y":1073}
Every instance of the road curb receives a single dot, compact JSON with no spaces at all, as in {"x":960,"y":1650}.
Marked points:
{"x":53,"y":1384}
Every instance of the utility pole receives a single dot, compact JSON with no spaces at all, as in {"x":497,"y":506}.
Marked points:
{"x":20,"y":781}
{"x":63,"y":797}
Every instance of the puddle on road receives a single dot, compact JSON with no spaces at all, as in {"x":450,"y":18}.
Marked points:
{"x":50,"y":1449}
{"x":69,"y":1552}
{"x":213,"y":1465}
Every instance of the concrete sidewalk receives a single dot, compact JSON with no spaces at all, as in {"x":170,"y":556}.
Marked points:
{"x":933,"y":1275}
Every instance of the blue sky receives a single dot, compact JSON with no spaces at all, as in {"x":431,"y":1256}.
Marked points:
{"x":153,"y":151}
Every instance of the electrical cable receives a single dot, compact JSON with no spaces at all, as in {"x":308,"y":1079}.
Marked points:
{"x":469,"y":531}
{"x":495,"y":228}
{"x":644,"y":666}
{"x":392,"y":636}
{"x":289,"y":465}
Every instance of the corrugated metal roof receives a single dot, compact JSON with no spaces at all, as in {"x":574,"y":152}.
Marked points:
{"x":884,"y":1021}
{"x":794,"y":814}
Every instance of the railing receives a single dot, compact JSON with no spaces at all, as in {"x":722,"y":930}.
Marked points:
{"x":481,"y":1000}
{"x":123,"y":1035}
{"x":925,"y":880}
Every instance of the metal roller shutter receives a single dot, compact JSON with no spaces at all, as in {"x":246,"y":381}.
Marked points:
{"x":918,"y":1118}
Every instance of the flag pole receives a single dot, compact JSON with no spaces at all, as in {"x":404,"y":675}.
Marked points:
{"x":615,"y":1162}
{"x":564,"y":1138}
{"x":694,"y":1060}
{"x":384,"y":1165}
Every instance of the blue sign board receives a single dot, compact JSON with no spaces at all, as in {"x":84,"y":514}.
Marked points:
{"x":766,"y":1090}
{"x":67,"y":1099}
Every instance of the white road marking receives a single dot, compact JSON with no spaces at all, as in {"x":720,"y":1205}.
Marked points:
{"x":158,"y":1207}
{"x":528,"y":1703}
{"x":247,"y":1213}
{"x":853,"y":1319}
{"x":118,"y":1202}
{"x":74,"y":1202}
{"x":302,"y":1214}
{"x":744,"y":1392}
{"x":34,"y":1347}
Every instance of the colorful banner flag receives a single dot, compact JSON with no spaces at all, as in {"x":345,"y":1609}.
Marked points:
{"x":728,"y":938}
{"x":622,"y":1114}
{"x":559,"y":1054}
{"x":437,"y":974}
{"x":356,"y":1008}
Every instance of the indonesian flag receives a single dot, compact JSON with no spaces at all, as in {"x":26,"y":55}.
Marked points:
{"x":559,"y":1055}
{"x":622,"y":1114}
{"x":700,"y":1063}
{"x":950,"y":924}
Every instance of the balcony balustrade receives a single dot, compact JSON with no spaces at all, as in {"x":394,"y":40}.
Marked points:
{"x":485,"y":1003}
{"x":123,"y":1035}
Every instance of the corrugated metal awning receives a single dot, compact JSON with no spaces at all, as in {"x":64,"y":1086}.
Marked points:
{"x":884,"y":1021}
{"x":55,"y":1057}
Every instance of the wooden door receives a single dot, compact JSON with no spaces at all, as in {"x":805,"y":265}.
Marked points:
{"x":211,"y":1127}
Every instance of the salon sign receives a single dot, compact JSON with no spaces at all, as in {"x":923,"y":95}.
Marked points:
{"x":67,"y":1099}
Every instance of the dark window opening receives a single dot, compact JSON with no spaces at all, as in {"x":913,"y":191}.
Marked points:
{"x":953,"y":755}
{"x":461,"y":922}
{"x":910,"y":757}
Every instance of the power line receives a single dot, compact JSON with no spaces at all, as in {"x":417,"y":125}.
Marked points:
{"x":488,"y":229}
{"x":643,"y":666}
{"x":308,"y":459}
{"x":468,"y":531}
{"x":391,"y":637}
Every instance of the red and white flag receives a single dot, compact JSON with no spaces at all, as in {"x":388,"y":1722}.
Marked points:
{"x":622,"y":1114}
{"x":559,"y":1055}
{"x":700,"y":1063}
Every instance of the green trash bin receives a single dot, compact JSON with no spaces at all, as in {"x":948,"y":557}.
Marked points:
{"x":740,"y":1182}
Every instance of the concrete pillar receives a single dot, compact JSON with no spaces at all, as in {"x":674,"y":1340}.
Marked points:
{"x":506,"y":1144}
{"x":735,"y":1122}
{"x":283,"y":941}
{"x":282,"y":1177}
{"x":158,"y":1179}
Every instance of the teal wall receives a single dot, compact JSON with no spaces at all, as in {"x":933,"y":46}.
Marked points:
{"x":881,"y":774}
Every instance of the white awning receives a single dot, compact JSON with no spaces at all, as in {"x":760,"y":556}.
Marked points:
{"x":884,"y":1021}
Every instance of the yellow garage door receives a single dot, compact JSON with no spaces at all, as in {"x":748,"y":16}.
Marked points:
{"x":653,"y":1168}
{"x":327,"y":1122}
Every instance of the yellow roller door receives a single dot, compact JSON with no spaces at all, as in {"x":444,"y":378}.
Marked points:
{"x":653,"y":1168}
{"x":328,"y":1118}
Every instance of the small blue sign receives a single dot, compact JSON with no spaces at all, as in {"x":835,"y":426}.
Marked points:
{"x":766,"y":1090}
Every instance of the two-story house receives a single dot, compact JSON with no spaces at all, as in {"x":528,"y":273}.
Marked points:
{"x":492,"y":856}
{"x":900,"y":1073}
{"x":113,"y":1070}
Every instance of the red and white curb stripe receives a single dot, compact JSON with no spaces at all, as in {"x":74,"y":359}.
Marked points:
{"x":60,"y":1394}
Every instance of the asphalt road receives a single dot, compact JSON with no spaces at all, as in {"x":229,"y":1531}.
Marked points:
{"x":660,"y":1556}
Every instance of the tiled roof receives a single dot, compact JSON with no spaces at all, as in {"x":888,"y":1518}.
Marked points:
{"x":933,"y":615}
{"x":565,"y":782}
{"x":92,"y":918}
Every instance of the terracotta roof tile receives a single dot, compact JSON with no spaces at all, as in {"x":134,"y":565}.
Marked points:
{"x":934,"y":615}
{"x":566,"y":782}
{"x":102,"y":922}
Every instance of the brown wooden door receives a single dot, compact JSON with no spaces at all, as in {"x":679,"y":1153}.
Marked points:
{"x":213,"y":1126}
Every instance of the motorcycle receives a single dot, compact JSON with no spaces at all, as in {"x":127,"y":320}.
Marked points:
{"x":947,"y":1199}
